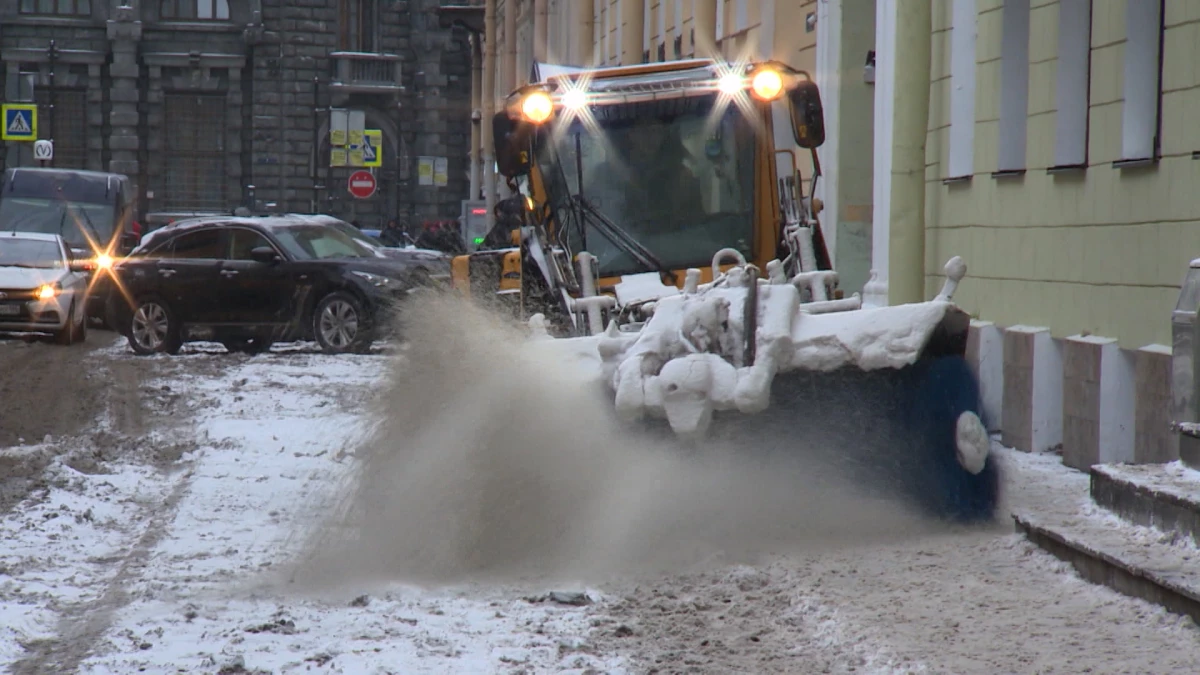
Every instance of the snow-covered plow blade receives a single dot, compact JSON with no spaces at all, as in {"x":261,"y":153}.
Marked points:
{"x":883,"y":394}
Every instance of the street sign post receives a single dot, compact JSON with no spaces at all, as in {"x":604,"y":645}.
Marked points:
{"x":43,"y":150}
{"x":372,"y":147}
{"x":361,"y":184}
{"x":20,"y":122}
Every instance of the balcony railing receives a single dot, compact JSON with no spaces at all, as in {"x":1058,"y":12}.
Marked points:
{"x":362,"y":72}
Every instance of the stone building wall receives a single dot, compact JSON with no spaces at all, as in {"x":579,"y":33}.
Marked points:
{"x":209,"y":115}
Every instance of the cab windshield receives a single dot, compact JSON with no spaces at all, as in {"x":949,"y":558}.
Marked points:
{"x":679,"y":184}
{"x":77,"y":222}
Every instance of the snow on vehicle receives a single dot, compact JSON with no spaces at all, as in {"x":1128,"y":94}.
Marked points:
{"x":653,"y":236}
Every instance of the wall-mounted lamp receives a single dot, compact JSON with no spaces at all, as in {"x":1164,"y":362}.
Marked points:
{"x":869,"y":68}
{"x":810,"y":22}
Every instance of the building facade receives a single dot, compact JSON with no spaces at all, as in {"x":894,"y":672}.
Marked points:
{"x":214,"y":104}
{"x":1056,"y":154}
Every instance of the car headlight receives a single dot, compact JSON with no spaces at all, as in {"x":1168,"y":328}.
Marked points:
{"x":48,"y":291}
{"x":377,"y":280}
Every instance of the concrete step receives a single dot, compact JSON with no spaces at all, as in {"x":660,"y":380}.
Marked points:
{"x":1162,"y":496}
{"x":1136,"y":561}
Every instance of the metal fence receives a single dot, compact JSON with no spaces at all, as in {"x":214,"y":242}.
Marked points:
{"x":194,"y":175}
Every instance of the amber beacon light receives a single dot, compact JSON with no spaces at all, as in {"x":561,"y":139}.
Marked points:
{"x":537,"y":107}
{"x":767,"y":84}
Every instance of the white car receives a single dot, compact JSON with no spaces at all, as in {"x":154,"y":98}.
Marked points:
{"x":42,"y":289}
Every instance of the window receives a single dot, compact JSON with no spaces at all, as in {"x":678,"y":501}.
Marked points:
{"x":1140,"y":113}
{"x":1014,"y":85}
{"x":1072,"y":89}
{"x":963,"y":30}
{"x":57,"y":7}
{"x":67,"y":126}
{"x":741,"y":15}
{"x":207,"y":10}
{"x":201,"y":245}
{"x":359,"y":21}
{"x":195,"y":168}
{"x":243,"y":241}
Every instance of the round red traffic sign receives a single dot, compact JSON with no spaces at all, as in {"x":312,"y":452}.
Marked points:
{"x":361,"y":184}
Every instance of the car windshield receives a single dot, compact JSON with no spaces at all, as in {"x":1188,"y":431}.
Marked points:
{"x":357,"y":235}
{"x":317,"y":242}
{"x":680,"y":184}
{"x":80,"y":224}
{"x":33,"y":253}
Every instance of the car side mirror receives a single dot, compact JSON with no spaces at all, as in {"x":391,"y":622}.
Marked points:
{"x":808,"y":117}
{"x":264,"y":254}
{"x":511,"y":140}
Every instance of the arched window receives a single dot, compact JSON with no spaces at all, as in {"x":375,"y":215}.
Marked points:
{"x":203,"y":10}
{"x":57,"y":7}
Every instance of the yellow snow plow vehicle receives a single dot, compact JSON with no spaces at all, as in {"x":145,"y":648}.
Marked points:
{"x":649,"y":231}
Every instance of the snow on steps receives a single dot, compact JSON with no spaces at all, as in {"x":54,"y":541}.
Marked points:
{"x":1154,"y":559}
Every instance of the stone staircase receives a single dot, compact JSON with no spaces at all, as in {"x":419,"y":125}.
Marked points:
{"x":1140,"y":536}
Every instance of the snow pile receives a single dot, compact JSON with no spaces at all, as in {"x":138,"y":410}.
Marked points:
{"x":127,"y":569}
{"x":59,"y":545}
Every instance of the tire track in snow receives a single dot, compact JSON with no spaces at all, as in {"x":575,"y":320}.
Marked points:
{"x":81,"y":626}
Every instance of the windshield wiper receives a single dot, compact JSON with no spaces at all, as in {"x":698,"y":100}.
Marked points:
{"x":619,"y":237}
{"x":582,"y":209}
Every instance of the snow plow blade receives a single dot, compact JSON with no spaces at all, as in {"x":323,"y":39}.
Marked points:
{"x":882,"y":395}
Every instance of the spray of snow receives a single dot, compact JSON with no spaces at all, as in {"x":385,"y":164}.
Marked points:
{"x":496,"y":456}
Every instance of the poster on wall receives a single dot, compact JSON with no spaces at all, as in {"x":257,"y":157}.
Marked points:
{"x":425,"y":171}
{"x":441,"y":171}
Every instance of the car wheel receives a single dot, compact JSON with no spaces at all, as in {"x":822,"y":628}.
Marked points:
{"x":69,"y":335}
{"x":341,"y":324}
{"x":153,"y":329}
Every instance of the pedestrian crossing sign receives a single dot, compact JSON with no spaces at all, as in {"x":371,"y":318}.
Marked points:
{"x":20,"y":122}
{"x":372,"y":147}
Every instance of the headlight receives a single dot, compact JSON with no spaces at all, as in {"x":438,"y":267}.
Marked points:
{"x":48,"y":291}
{"x":767,"y":84}
{"x":537,"y":107}
{"x":377,"y":280}
{"x":730,"y":83}
{"x":104,"y":261}
{"x":574,"y":99}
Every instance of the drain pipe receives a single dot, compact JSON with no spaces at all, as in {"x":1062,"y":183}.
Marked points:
{"x":910,"y":115}
{"x":476,"y":112}
{"x":539,"y":30}
{"x":488,"y":98}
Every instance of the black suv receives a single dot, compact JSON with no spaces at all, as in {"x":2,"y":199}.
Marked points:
{"x":250,"y":282}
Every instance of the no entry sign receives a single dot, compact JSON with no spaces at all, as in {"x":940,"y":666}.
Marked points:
{"x":361,"y":184}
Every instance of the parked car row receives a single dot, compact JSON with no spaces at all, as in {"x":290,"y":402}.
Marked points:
{"x":246,"y":282}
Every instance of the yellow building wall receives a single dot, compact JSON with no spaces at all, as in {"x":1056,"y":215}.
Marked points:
{"x":1100,"y":251}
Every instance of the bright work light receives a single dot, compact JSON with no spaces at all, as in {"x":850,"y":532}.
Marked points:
{"x":730,"y":83}
{"x":574,"y":99}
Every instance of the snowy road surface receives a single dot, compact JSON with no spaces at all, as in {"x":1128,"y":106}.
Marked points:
{"x":154,"y":552}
